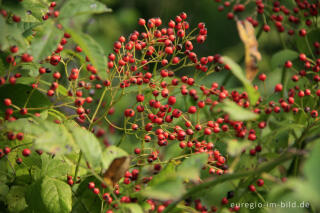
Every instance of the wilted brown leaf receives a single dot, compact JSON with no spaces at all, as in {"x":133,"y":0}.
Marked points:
{"x":252,"y":55}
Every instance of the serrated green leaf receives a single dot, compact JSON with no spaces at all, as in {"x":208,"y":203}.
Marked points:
{"x":45,"y":41}
{"x":48,"y":136}
{"x":93,"y":50}
{"x":280,"y":58}
{"x":56,"y":195}
{"x":16,"y":199}
{"x":237,"y":71}
{"x":190,"y":168}
{"x":81,"y":7}
{"x":87,"y":142}
{"x":53,"y":168}
{"x":60,"y":138}
{"x":236,"y":112}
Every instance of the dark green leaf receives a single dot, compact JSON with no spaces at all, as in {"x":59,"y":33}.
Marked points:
{"x":311,"y":37}
{"x":4,"y":190}
{"x":280,"y":58}
{"x":86,"y":201}
{"x":19,"y":94}
{"x":80,"y":7}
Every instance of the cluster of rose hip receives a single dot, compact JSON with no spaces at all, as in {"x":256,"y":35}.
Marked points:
{"x":275,"y":13}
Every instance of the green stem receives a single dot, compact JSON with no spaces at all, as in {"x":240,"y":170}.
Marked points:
{"x":77,"y":167}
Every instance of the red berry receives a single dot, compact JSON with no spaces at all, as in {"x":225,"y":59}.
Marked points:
{"x":7,"y":102}
{"x":91,"y":185}
{"x":278,"y":88}
{"x":262,"y":77}
{"x":288,"y":64}
{"x":140,"y":98}
{"x":14,"y":49}
{"x":96,"y":191}
{"x":260,"y":182}
{"x":26,"y":152}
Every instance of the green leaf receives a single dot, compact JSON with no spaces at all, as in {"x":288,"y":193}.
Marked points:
{"x":236,"y":112}
{"x":111,"y":153}
{"x":26,"y":80}
{"x":4,"y":190}
{"x":311,"y":173}
{"x":81,"y":7}
{"x":33,"y":69}
{"x":167,"y":172}
{"x":280,"y":58}
{"x":86,"y":200}
{"x":311,"y":37}
{"x":235,"y":147}
{"x":190,"y":168}
{"x":93,"y":50}
{"x":132,"y":207}
{"x":45,"y":41}
{"x":19,"y":93}
{"x":48,"y":136}
{"x":168,"y":189}
{"x":16,"y":199}
{"x":33,"y":197}
{"x":37,"y":8}
{"x":87,"y":142}
{"x":3,"y":32}
{"x":60,"y":138}
{"x":237,"y":71}
{"x":11,"y":35}
{"x":53,"y":168}
{"x":56,"y":195}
